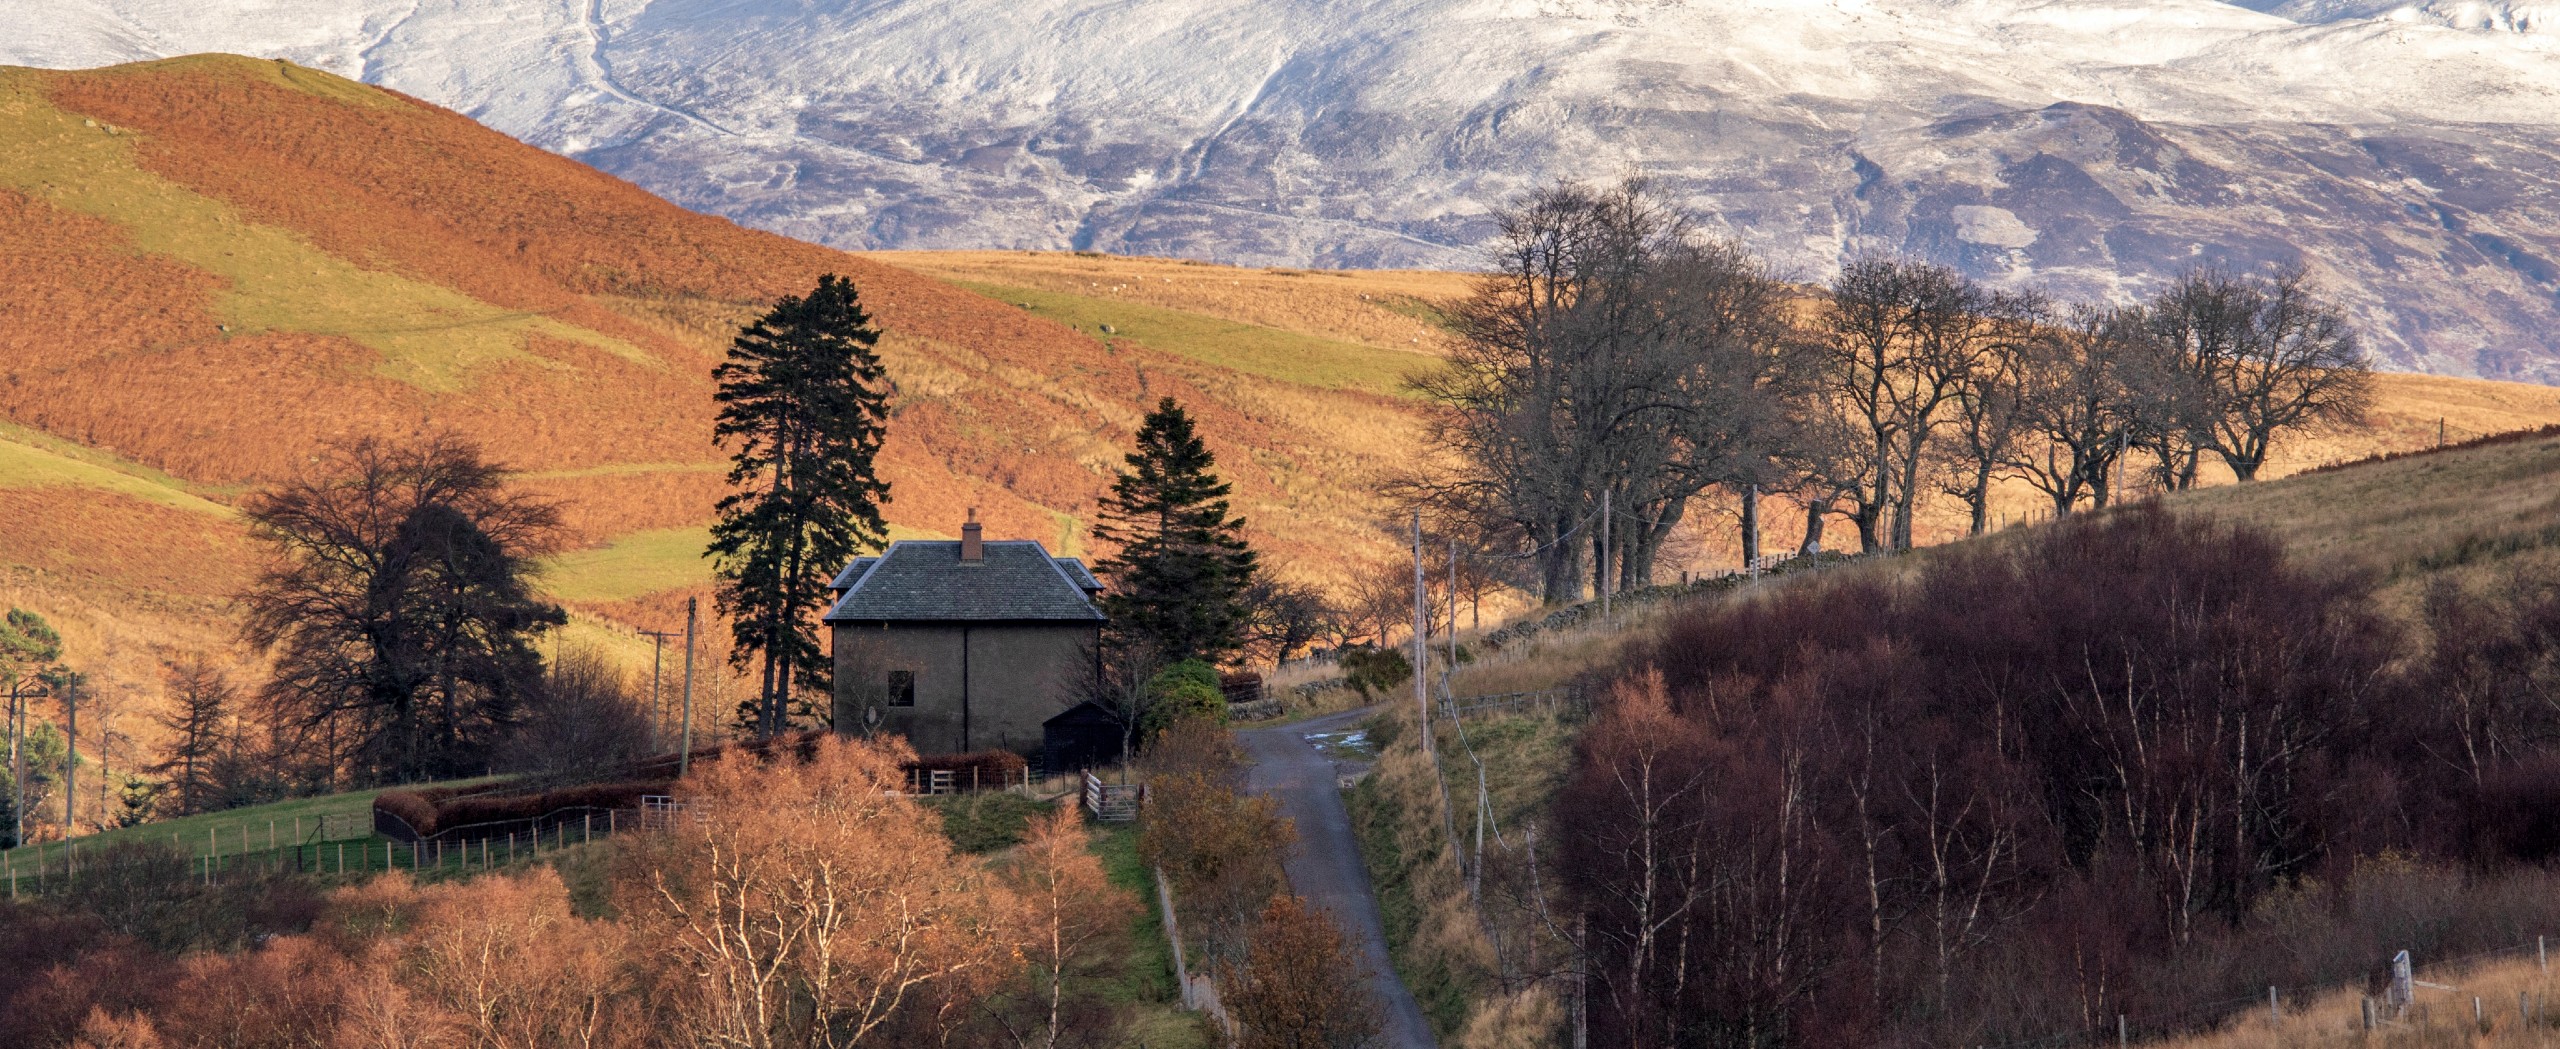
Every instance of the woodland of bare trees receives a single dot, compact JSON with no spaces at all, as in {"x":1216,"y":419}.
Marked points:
{"x":2128,"y":765}
{"x":803,"y":900}
{"x":1616,"y":361}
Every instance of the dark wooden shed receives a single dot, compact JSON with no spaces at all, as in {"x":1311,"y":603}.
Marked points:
{"x":1080,"y":737}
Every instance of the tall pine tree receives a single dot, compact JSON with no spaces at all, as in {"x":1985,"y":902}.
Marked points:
{"x":805,"y":403}
{"x":1179,"y":577}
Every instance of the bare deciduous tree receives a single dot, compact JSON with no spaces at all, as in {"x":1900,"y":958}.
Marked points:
{"x":1609,"y":350}
{"x":401,"y":606}
{"x":1899,"y":342}
{"x":1070,"y":914}
{"x":2077,"y":406}
{"x":816,"y":905}
{"x":2270,"y":356}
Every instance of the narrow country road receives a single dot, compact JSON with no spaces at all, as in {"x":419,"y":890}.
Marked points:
{"x":1325,"y":866}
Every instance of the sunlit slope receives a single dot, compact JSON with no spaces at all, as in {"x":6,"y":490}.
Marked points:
{"x":1386,"y":309}
{"x":212,"y":266}
{"x":215,"y":265}
{"x":2468,"y":511}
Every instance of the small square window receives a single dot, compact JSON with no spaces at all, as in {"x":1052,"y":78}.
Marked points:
{"x":902,"y":688}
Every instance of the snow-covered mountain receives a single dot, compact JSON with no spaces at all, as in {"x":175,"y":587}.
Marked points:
{"x":2408,"y":152}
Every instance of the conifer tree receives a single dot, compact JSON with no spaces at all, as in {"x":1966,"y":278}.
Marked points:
{"x":804,"y":401}
{"x":1179,"y":578}
{"x":199,"y":726}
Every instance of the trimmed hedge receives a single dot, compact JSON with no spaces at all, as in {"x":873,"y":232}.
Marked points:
{"x":803,"y":745}
{"x":413,"y":809}
{"x":465,"y":814}
{"x":445,"y":811}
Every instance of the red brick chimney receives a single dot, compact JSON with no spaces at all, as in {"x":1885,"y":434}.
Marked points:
{"x":972,"y":546}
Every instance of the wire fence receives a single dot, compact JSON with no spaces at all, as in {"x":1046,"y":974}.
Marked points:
{"x":1566,"y":698}
{"x":2279,"y":1002}
{"x":354,"y":856}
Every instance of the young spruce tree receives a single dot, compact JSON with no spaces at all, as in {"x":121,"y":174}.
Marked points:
{"x":1179,"y":578}
{"x":804,"y":402}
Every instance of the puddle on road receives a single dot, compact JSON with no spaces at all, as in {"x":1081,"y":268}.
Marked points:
{"x":1352,"y":745}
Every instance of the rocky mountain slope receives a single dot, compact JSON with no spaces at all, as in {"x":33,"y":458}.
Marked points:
{"x":2406,"y":152}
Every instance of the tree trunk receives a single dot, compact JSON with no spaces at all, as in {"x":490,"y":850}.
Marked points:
{"x":1981,"y":496}
{"x":2245,"y":468}
{"x":1560,"y":564}
{"x":1814,"y":512}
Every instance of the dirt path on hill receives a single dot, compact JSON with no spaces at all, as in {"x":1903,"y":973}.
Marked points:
{"x":1325,"y":867}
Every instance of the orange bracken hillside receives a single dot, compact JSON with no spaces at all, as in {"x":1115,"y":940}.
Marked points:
{"x":134,"y":326}
{"x":212,"y":267}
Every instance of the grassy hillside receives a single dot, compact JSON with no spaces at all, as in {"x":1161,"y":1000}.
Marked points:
{"x":212,"y":266}
{"x":2465,"y":512}
{"x":2469,"y":514}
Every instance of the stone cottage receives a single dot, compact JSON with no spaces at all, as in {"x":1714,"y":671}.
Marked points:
{"x":963,"y":646}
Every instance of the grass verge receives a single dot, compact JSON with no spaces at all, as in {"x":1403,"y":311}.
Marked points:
{"x":1146,"y":985}
{"x":1437,"y":986}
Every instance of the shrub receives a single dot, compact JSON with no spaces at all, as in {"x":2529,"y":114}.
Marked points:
{"x":1179,"y":701}
{"x":1221,"y":849}
{"x":2021,"y":725}
{"x":1194,"y":670}
{"x":446,"y":811}
{"x":1375,"y":670}
{"x":1300,"y":983}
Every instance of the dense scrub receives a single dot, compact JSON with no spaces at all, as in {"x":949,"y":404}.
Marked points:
{"x":811,"y":904}
{"x":2128,"y":765}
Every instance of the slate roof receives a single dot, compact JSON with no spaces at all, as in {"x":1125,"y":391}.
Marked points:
{"x":923,"y":580}
{"x":1076,"y":571}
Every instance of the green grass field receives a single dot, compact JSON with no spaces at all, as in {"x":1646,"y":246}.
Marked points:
{"x":1271,"y":353}
{"x":234,"y":831}
{"x":31,"y":460}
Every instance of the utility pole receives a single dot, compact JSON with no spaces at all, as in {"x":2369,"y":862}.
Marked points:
{"x":1421,"y":644}
{"x":70,"y":751}
{"x":18,"y":697}
{"x":657,"y":694}
{"x":684,"y":757}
